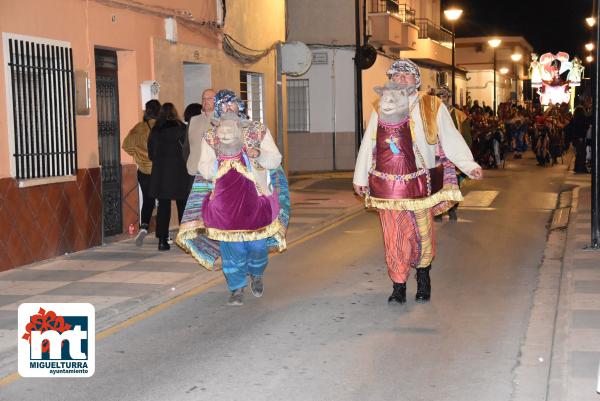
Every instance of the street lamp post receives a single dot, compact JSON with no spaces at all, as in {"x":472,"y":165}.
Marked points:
{"x":516,"y":57}
{"x":453,"y":15}
{"x":494,"y":43}
{"x":595,"y":143}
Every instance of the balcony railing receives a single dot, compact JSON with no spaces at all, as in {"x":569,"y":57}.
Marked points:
{"x":401,"y":11}
{"x":429,"y":30}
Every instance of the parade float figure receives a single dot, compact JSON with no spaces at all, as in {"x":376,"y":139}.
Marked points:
{"x":239,"y":205}
{"x":556,"y":84}
{"x":576,"y":73}
{"x":535,"y":71}
{"x":403,"y":172}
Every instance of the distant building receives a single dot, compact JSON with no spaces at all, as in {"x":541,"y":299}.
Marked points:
{"x":321,"y":103}
{"x":476,"y":56}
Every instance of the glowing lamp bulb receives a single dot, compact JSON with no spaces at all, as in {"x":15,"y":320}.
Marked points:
{"x":503,"y":70}
{"x":453,"y":14}
{"x":589,"y":46}
{"x":495,"y":42}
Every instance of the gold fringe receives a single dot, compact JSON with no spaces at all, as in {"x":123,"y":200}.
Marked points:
{"x":245,"y":235}
{"x":448,"y":193}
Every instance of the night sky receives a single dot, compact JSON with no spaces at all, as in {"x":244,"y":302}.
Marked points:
{"x":550,"y":26}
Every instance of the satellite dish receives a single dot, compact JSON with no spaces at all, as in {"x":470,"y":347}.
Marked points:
{"x":296,"y":58}
{"x":365,"y":56}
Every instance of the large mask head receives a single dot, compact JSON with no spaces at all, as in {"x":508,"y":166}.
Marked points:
{"x":230,"y":133}
{"x":394,"y":102}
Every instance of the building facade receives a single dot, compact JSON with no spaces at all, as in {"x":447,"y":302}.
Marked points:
{"x":75,"y":76}
{"x":476,"y":56}
{"x":322,"y":102}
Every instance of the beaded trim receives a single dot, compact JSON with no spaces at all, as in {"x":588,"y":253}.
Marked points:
{"x":399,"y":177}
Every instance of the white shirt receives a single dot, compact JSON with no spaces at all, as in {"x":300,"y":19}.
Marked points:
{"x":451,"y":140}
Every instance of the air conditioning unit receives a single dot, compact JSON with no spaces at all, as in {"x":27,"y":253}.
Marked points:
{"x":442,"y":78}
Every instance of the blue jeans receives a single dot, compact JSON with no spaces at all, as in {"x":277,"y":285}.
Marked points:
{"x":241,"y":259}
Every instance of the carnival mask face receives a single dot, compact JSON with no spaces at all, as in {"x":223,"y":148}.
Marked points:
{"x":230,"y":137}
{"x":393,"y":105}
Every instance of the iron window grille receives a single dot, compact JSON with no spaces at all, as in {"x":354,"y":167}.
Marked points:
{"x":252,"y":93}
{"x":298,"y":105}
{"x":41,"y":107}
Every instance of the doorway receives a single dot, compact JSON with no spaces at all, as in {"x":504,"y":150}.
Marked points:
{"x":109,"y":140}
{"x":196,"y":79}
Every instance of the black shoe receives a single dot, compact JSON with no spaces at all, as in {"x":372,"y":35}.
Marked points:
{"x":437,"y":218}
{"x":452,"y":214}
{"x":423,"y":284}
{"x":399,"y":294}
{"x":163,"y":245}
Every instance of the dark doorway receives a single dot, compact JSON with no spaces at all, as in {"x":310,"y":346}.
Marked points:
{"x":109,"y":140}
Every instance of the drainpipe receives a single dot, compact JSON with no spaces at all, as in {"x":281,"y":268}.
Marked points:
{"x":358,"y":126}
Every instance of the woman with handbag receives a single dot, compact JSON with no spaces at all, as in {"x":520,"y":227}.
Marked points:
{"x":169,"y":179}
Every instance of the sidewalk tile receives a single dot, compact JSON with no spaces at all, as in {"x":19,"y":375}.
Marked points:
{"x":584,"y":364}
{"x":587,"y":340}
{"x":587,"y":287}
{"x":105,"y":289}
{"x":169,"y":267}
{"x":29,"y":287}
{"x":136,"y":277}
{"x":585,"y":319}
{"x":10,"y":299}
{"x":97,"y":265}
{"x":585,"y":301}
{"x":40,"y":275}
{"x":100,"y":302}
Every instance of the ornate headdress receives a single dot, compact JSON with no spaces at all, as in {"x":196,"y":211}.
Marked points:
{"x":225,"y":97}
{"x":405,"y":65}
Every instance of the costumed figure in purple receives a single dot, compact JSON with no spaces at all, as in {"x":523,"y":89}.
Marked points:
{"x":241,"y":199}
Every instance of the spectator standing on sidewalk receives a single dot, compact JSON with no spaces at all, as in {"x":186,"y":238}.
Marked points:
{"x":577,"y":130}
{"x":169,"y":179}
{"x":136,"y":145}
{"x":198,"y":126}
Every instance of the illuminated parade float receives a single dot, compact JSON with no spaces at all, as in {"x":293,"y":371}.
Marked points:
{"x":555,"y":77}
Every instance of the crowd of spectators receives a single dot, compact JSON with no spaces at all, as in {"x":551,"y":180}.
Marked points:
{"x":548,"y":132}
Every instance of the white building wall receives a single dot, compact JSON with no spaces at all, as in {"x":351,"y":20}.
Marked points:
{"x":332,"y":95}
{"x":481,"y":87}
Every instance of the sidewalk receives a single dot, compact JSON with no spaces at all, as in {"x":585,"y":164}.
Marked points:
{"x":560,"y":353}
{"x":122,"y":280}
{"x":576,"y":355}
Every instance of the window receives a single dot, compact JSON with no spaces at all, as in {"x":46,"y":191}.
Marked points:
{"x":251,"y":91}
{"x":41,"y":107}
{"x":298,"y":105}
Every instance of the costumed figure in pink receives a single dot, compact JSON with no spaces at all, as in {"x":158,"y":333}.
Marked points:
{"x":405,"y":170}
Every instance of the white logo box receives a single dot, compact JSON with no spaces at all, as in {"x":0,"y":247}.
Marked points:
{"x":80,"y":364}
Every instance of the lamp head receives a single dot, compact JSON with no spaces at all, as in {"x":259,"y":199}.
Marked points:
{"x":453,"y":14}
{"x":494,"y":42}
{"x":516,"y":57}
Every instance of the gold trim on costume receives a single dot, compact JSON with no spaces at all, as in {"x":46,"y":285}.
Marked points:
{"x":244,"y":235}
{"x":447,"y":193}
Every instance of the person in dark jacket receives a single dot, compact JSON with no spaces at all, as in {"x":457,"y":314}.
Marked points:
{"x":576,"y":131}
{"x":169,"y":179}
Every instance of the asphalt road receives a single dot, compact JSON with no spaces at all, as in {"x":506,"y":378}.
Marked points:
{"x":324,"y":331}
